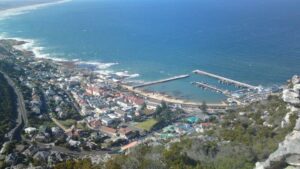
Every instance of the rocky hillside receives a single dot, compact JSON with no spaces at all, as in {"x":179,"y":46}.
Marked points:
{"x":288,"y":153}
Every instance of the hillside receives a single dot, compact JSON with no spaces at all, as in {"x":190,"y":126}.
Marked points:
{"x":238,"y":140}
{"x":7,"y":107}
{"x":243,"y":137}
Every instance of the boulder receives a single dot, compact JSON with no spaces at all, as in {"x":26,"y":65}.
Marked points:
{"x":295,"y":79}
{"x":293,"y":160}
{"x":290,"y":96}
{"x":289,"y":147}
{"x":297,"y":126}
{"x":296,"y":88}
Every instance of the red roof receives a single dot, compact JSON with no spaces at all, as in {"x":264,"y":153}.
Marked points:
{"x":130,"y":145}
{"x":108,"y":130}
{"x":95,"y":123}
{"x":124,"y":131}
{"x":206,"y":124}
{"x":136,"y":100}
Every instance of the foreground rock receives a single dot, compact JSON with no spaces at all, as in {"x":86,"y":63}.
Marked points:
{"x":288,"y":153}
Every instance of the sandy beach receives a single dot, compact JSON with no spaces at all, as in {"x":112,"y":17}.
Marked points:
{"x":169,"y":99}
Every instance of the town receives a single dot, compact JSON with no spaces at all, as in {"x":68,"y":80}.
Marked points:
{"x":72,"y":111}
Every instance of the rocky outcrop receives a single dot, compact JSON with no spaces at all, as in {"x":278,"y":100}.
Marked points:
{"x":288,"y":152}
{"x":288,"y":149}
{"x":291,"y":96}
{"x":296,"y":88}
{"x":295,"y":79}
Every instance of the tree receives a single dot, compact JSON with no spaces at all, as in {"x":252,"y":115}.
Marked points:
{"x":203,"y":107}
{"x":164,"y":105}
{"x":144,"y":106}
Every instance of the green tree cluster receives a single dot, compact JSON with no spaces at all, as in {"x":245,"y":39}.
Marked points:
{"x":164,"y":115}
{"x":76,"y":164}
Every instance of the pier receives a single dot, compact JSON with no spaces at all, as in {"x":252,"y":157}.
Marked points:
{"x":225,"y":80}
{"x":213,"y":88}
{"x":161,"y":81}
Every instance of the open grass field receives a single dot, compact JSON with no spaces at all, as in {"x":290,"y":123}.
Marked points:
{"x":147,"y":125}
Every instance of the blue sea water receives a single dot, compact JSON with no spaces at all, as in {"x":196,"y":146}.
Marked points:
{"x":254,"y":41}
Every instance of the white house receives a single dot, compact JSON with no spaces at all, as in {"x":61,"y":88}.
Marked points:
{"x":30,"y":130}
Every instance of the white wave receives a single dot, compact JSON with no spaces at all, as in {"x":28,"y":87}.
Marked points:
{"x":38,"y":51}
{"x":134,"y":76}
{"x":104,"y":72}
{"x":4,"y":14}
{"x":122,"y":74}
{"x":127,"y":75}
{"x":101,"y":68}
{"x":99,"y":65}
{"x":32,"y":45}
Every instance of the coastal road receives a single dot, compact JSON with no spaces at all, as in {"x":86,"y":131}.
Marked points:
{"x":22,"y":120}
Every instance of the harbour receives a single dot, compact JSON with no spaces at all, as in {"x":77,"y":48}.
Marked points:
{"x":225,"y":80}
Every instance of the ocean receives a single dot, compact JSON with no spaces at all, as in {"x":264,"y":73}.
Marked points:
{"x":253,"y":41}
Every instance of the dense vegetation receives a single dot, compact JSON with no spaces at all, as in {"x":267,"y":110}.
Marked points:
{"x":72,"y":164}
{"x":165,"y":116}
{"x":260,"y":129}
{"x":7,"y":107}
{"x":162,"y":116}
